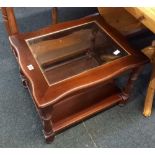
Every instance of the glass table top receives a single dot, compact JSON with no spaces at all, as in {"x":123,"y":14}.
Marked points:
{"x":69,"y":52}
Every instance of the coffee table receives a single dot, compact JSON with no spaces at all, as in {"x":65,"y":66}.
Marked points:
{"x":70,"y":70}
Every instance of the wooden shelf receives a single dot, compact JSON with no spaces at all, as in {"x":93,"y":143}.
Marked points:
{"x":75,"y":111}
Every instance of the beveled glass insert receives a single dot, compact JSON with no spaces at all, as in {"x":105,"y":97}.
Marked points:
{"x":71,"y":51}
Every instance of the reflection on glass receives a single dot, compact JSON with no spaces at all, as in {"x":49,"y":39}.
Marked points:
{"x":72,"y":51}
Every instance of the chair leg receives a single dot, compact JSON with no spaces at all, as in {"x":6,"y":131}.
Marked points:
{"x":54,"y":15}
{"x":150,"y":95}
{"x":10,"y":20}
{"x":148,"y":101}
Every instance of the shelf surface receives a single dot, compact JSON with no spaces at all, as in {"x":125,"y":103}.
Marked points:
{"x":84,"y":105}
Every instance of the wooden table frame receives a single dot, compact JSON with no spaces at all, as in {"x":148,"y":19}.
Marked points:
{"x":48,"y":98}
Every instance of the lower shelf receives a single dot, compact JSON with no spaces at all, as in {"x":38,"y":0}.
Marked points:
{"x":84,"y":105}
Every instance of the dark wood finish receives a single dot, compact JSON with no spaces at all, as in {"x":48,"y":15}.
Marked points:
{"x":10,"y":21}
{"x":132,"y":78}
{"x":79,"y":107}
{"x":46,"y":116}
{"x":74,"y":99}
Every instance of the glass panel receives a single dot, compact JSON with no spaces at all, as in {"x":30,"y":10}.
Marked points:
{"x":71,"y":51}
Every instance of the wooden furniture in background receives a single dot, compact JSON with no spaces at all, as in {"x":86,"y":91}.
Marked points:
{"x":54,"y":15}
{"x":130,"y":20}
{"x":70,"y":69}
{"x":121,"y":20}
{"x":11,"y":23}
{"x":150,"y":52}
{"x":147,"y":17}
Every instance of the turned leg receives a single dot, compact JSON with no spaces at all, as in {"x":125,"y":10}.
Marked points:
{"x":132,"y":78}
{"x":46,"y":115}
{"x":150,"y":94}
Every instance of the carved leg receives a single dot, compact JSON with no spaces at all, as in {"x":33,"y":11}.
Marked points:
{"x":150,"y":94}
{"x":24,"y":81}
{"x":46,"y":115}
{"x":133,"y":77}
{"x":14,"y":52}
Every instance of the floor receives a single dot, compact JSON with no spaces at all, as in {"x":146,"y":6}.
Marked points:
{"x":20,"y":125}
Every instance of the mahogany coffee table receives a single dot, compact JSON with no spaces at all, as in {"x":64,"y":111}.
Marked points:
{"x":70,"y":70}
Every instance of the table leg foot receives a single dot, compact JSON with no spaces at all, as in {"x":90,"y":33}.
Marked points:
{"x":147,"y":113}
{"x":124,"y":98}
{"x":49,"y":137}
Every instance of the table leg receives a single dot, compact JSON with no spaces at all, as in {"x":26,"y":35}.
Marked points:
{"x":133,"y":77}
{"x":46,"y":115}
{"x":24,"y":81}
